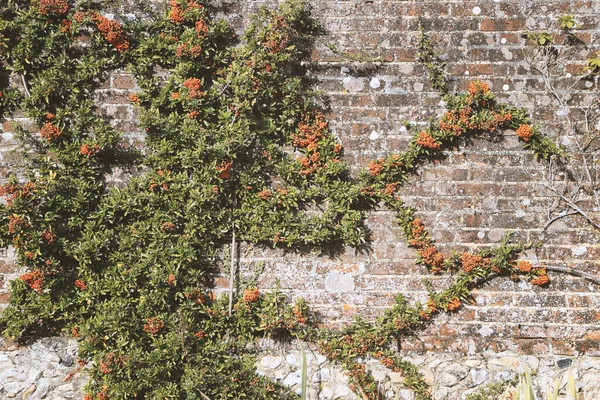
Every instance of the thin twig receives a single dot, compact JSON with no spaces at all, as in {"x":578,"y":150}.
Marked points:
{"x":25,"y":85}
{"x":574,"y":207}
{"x":232,"y":271}
{"x":572,"y":271}
{"x":224,"y":89}
{"x":205,"y":397}
{"x":562,"y":215}
{"x":589,"y":175}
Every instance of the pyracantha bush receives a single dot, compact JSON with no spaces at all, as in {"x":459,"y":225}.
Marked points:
{"x":236,"y":146}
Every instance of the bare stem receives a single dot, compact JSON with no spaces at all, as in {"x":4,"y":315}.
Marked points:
{"x":205,"y":397}
{"x":589,"y":175}
{"x":25,"y":86}
{"x":574,"y":207}
{"x":561,"y":215}
{"x":232,"y":271}
{"x":572,"y":271}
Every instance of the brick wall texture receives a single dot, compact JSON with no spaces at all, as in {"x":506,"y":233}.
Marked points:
{"x":468,"y":199}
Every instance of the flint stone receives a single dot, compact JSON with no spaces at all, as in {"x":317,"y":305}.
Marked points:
{"x":271,"y":362}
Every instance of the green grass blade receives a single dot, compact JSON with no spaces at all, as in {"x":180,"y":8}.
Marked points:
{"x":304,"y":373}
{"x":529,"y":393}
{"x":517,"y":394}
{"x":571,"y":386}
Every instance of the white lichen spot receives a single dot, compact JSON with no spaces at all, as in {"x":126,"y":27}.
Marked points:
{"x":486,"y":330}
{"x":523,"y":285}
{"x":568,"y":75}
{"x":353,"y":84}
{"x":544,"y":100}
{"x":505,"y":87}
{"x":520,"y":213}
{"x":466,"y":72}
{"x":375,"y":83}
{"x":526,"y":202}
{"x":507,"y":54}
{"x":476,"y":10}
{"x":503,"y":40}
{"x":579,"y":250}
{"x":495,"y":235}
{"x":480,"y":234}
{"x":374,"y":135}
{"x":407,"y":68}
{"x":418,"y":86}
{"x":402,"y":129}
{"x":339,"y":282}
{"x":589,"y":84}
{"x":7,"y":136}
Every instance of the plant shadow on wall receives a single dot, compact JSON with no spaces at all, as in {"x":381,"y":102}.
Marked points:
{"x":237,"y":149}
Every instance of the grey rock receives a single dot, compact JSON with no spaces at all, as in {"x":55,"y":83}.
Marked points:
{"x":479,"y":376}
{"x":65,"y":358}
{"x":13,"y":375}
{"x":379,"y":373}
{"x":271,"y":362}
{"x":452,"y":374}
{"x":5,"y":362}
{"x":67,"y":387}
{"x":504,"y":375}
{"x":324,"y":374}
{"x":458,"y":370}
{"x":441,"y":393}
{"x":447,"y":379}
{"x":34,"y":375}
{"x":326,"y":394}
{"x":43,"y":387}
{"x":472,"y":363}
{"x":293,"y":379}
{"x":12,"y":389}
{"x":564,"y":363}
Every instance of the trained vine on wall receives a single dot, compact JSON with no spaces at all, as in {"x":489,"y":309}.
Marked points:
{"x":237,"y":148}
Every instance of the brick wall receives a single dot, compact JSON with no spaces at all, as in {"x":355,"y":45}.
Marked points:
{"x":469,"y":199}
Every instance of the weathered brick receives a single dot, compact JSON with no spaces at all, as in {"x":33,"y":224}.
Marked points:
{"x":469,"y":198}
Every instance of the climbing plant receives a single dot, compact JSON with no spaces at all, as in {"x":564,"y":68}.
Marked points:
{"x":237,"y":148}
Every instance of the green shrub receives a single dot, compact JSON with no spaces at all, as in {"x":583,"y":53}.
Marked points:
{"x":129,"y":270}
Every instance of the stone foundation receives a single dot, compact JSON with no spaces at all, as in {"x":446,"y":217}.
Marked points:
{"x":48,"y":369}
